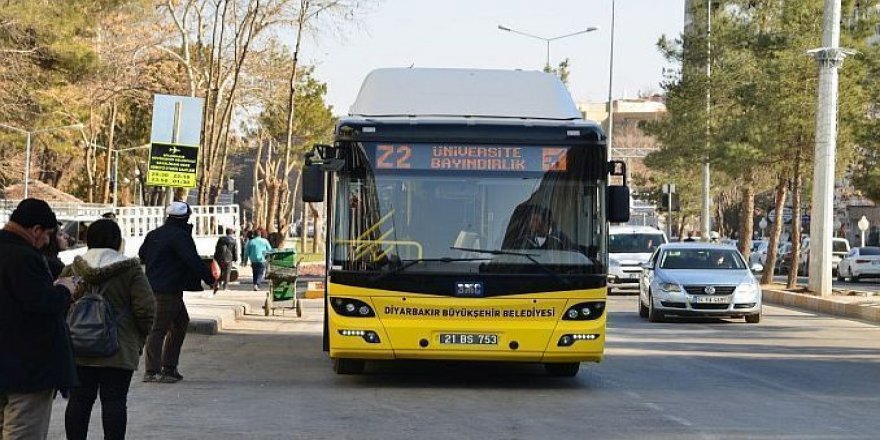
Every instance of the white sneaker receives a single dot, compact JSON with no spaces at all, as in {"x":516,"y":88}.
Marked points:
{"x":256,"y":287}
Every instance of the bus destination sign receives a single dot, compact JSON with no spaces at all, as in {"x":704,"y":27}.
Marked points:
{"x":469,"y":157}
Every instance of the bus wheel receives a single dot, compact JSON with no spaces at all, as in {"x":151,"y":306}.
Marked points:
{"x":567,"y":369}
{"x":348,"y":366}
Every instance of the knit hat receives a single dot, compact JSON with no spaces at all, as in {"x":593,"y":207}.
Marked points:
{"x":179,"y":210}
{"x":33,"y":212}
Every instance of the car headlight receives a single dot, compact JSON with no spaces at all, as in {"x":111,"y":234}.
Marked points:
{"x":747,"y":288}
{"x":670,"y":287}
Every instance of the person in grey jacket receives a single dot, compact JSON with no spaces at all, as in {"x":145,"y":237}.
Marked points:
{"x":173,"y":266}
{"x":121,"y":282}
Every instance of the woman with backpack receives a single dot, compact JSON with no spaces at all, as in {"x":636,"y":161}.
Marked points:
{"x":112,"y":277}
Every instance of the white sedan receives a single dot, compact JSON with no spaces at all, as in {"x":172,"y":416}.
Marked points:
{"x":860,"y":262}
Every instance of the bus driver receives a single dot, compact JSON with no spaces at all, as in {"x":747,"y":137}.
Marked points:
{"x":537,"y":233}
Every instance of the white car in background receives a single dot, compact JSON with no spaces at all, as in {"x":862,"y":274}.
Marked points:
{"x":758,"y":254}
{"x":860,"y":262}
{"x":628,"y":248}
{"x":839,"y":249}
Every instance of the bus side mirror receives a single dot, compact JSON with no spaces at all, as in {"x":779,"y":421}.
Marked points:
{"x":618,"y":204}
{"x":313,"y":184}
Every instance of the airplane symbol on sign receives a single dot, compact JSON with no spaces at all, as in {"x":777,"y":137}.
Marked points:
{"x":174,"y":150}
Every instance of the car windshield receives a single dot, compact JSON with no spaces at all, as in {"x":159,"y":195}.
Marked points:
{"x":702,"y":258}
{"x":839,"y":246}
{"x":634,"y":243}
{"x":869,"y":251}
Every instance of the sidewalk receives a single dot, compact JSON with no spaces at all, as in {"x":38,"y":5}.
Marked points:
{"x":240,"y":308}
{"x":848,"y":304}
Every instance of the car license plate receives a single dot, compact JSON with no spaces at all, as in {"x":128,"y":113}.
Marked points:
{"x":469,"y":338}
{"x":875,"y":263}
{"x":710,"y":299}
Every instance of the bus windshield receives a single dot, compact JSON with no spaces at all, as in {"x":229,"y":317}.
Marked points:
{"x":468,"y":221}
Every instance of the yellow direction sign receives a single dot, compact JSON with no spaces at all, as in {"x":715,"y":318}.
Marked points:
{"x":175,"y":139}
{"x":173,"y":165}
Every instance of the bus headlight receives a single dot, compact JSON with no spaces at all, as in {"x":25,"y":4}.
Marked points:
{"x":350,"y":307}
{"x":584,"y":311}
{"x":368,"y":335}
{"x":568,"y":340}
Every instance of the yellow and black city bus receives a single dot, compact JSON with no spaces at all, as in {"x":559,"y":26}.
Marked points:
{"x":465,"y":224}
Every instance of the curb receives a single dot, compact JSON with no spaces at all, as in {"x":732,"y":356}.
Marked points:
{"x":207,"y":317}
{"x":867,"y":312}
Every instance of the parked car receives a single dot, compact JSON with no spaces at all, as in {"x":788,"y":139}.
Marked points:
{"x":699,"y":279}
{"x":758,"y":254}
{"x":839,"y":249}
{"x":860,"y":262}
{"x":783,"y":258}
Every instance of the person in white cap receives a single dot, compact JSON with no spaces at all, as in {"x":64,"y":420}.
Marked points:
{"x":173,"y":266}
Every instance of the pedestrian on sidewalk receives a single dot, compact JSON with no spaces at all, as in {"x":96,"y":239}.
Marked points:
{"x":36,"y":358}
{"x":256,"y":253}
{"x":123,"y":284}
{"x":173,"y":266}
{"x":225,"y":254}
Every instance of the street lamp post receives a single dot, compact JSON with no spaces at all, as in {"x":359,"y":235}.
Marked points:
{"x":116,"y":169}
{"x":863,"y":226}
{"x":27,"y":157}
{"x":763,"y":225}
{"x":546,"y":39}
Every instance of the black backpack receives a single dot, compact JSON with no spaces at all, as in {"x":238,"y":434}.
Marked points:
{"x":94,"y":325}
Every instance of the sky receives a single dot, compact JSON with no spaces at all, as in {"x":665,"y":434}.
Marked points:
{"x":465,"y":34}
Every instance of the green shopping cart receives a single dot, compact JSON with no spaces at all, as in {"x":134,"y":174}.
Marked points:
{"x":281,"y":271}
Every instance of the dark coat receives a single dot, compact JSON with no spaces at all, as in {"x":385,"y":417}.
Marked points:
{"x":35,"y":351}
{"x":173,"y":264}
{"x":124,"y":285}
{"x":226,"y":249}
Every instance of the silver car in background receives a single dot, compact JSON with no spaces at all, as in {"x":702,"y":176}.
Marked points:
{"x":699,"y":279}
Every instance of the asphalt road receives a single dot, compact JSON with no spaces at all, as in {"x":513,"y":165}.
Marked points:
{"x":794,"y":376}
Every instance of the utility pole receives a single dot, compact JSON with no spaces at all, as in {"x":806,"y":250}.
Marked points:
{"x":610,"y":143}
{"x":705,"y":213}
{"x":830,"y":58}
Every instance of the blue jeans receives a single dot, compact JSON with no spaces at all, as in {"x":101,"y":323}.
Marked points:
{"x":259,"y":272}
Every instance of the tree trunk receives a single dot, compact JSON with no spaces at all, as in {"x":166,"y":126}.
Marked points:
{"x":775,"y":231}
{"x":747,"y":219}
{"x":258,"y":168}
{"x":795,"y":223}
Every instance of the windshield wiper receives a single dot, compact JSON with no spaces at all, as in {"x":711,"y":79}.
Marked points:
{"x":410,"y":263}
{"x":531,"y":258}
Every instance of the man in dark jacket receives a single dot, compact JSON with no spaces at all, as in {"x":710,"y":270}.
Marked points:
{"x":225,"y":253}
{"x":35,"y":354}
{"x":173,"y":266}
